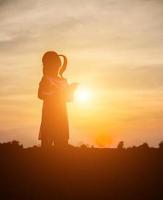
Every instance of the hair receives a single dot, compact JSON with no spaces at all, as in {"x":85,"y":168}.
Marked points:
{"x":51,"y":62}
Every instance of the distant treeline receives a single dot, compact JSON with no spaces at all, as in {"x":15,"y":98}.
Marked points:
{"x":16,"y":144}
{"x":81,"y":173}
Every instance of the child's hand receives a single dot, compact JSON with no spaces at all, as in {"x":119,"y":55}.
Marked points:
{"x":73,"y":86}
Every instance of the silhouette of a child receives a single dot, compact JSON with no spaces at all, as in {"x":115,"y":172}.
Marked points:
{"x":55,"y":91}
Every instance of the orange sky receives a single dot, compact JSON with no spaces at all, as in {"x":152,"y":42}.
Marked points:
{"x":114,"y":48}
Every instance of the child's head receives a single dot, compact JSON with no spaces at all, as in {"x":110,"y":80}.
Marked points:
{"x":51,"y":63}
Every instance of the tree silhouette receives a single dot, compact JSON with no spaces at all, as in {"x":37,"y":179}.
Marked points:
{"x":120,"y":145}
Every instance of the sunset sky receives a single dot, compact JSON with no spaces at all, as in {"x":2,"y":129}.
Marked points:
{"x":114,"y":49}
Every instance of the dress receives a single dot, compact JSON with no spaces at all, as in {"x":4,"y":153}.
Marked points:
{"x":54,"y":123}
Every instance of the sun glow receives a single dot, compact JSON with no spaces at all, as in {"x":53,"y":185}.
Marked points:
{"x":83,"y":95}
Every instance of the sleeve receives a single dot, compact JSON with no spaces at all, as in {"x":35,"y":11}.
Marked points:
{"x":70,"y":93}
{"x":44,"y":90}
{"x":66,"y":91}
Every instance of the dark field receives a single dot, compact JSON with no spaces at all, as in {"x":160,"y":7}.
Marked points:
{"x":81,"y":173}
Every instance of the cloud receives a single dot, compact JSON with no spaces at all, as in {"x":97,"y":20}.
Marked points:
{"x":92,"y":25}
{"x":128,"y":77}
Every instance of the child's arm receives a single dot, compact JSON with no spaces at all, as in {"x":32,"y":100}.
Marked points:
{"x":44,"y":90}
{"x":70,"y":93}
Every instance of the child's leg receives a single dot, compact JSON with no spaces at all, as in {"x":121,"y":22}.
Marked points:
{"x":61,"y":144}
{"x":46,"y":144}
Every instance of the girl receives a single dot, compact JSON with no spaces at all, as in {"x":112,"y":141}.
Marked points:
{"x":55,"y":92}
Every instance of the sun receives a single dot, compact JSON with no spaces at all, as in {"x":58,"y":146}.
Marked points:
{"x":83,"y":95}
